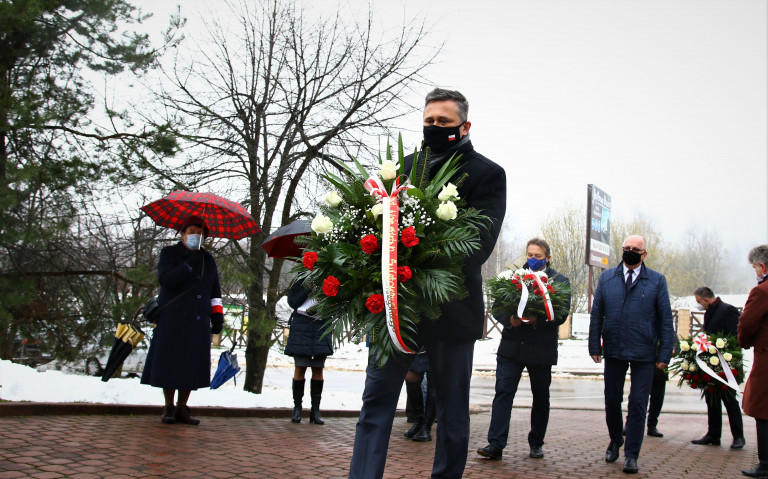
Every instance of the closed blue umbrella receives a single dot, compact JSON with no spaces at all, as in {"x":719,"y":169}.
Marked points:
{"x":226,"y":370}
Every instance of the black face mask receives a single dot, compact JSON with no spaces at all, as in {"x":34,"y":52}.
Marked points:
{"x":440,"y":138}
{"x":632,"y":258}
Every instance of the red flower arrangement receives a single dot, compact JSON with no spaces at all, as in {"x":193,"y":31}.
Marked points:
{"x":375,"y":303}
{"x":369,"y":244}
{"x":309,"y":259}
{"x":408,"y":237}
{"x":404,"y":273}
{"x":331,"y":286}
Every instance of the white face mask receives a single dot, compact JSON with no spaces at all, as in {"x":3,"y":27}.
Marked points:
{"x":194,"y":241}
{"x":700,"y":307}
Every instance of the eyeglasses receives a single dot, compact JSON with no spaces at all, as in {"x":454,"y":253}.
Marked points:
{"x":635,"y":250}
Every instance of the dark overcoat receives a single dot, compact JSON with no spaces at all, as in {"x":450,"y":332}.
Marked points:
{"x":753,"y":333}
{"x":180,"y":353}
{"x":532,"y":343}
{"x":305,"y":334}
{"x":721,"y":318}
{"x":635,"y":325}
{"x":484,"y":189}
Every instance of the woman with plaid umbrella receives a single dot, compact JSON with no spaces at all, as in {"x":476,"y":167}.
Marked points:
{"x":179,"y":357}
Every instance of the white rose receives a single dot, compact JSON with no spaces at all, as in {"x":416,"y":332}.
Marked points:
{"x":720,"y":343}
{"x":448,"y":193}
{"x":684,"y":366}
{"x":332,"y":198}
{"x":712,"y":350}
{"x":728,"y":356}
{"x":377,"y":210}
{"x":685,"y":346}
{"x":388,"y":170}
{"x":691,"y":367}
{"x":714,"y":361}
{"x":446,"y":211}
{"x":321,"y":224}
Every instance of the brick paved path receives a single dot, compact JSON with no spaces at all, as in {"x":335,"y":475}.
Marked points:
{"x":94,"y":446}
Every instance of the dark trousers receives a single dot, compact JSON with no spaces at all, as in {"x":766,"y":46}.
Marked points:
{"x":641,"y":376}
{"x":715,"y":416}
{"x":450,"y":370}
{"x":656,"y":401}
{"x":508,"y":373}
{"x":762,"y":440}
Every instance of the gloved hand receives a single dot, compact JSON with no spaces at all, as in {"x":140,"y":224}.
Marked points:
{"x":195,"y":259}
{"x":217,"y":323}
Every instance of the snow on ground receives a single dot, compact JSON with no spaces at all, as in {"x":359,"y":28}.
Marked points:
{"x":346,"y":368}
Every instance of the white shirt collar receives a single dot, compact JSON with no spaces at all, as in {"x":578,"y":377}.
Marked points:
{"x":635,"y":272}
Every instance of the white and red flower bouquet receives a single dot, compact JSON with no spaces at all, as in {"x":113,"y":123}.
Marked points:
{"x":526,"y":293}
{"x":386,"y":250}
{"x":713,"y":364}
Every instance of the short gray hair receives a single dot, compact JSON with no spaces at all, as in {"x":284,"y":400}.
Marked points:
{"x":704,"y":292}
{"x":439,"y":94}
{"x":758,"y":254}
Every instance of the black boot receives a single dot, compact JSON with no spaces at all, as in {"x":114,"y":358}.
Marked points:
{"x":315,"y":393}
{"x":416,"y":398}
{"x":425,"y":433}
{"x":298,"y":394}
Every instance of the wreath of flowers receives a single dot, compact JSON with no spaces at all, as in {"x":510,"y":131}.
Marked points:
{"x":506,"y":292}
{"x":342,"y":259}
{"x":717,"y":353}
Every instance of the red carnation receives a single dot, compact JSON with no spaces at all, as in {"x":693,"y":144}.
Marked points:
{"x":375,"y":303}
{"x":710,"y":389}
{"x":723,"y":387}
{"x":408,"y":237}
{"x":694,"y":385}
{"x":519,"y":286}
{"x":733,"y":371}
{"x":538,"y":292}
{"x":721,"y":374}
{"x":310,"y":257}
{"x":529,"y":277}
{"x":369,"y":244}
{"x":515,"y":280}
{"x":331,"y":286}
{"x":706,"y":377}
{"x":550,"y":288}
{"x":687,"y":377}
{"x":404,"y":273}
{"x":696,"y":377}
{"x":544,"y":279}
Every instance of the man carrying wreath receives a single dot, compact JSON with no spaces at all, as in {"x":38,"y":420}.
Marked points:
{"x":526,"y":343}
{"x":450,"y":340}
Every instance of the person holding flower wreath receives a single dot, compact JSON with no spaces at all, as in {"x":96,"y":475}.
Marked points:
{"x":631,"y":327}
{"x":722,"y":319}
{"x":753,"y":333}
{"x":449,"y":340}
{"x":526,"y":343}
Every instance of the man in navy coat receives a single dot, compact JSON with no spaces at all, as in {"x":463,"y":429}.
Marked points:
{"x":631,"y":327}
{"x":723,"y":319}
{"x":450,"y":340}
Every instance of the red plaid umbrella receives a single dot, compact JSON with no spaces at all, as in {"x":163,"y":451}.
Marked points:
{"x":224,"y":218}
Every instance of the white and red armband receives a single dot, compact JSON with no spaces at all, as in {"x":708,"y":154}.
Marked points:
{"x":216,"y":306}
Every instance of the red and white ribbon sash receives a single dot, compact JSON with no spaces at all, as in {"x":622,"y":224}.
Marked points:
{"x":731,"y":382}
{"x":524,"y":296}
{"x":390,"y":216}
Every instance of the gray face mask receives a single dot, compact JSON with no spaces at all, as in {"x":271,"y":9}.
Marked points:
{"x":194,"y":241}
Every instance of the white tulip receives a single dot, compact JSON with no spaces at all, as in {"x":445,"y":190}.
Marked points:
{"x":332,"y":198}
{"x":448,"y":193}
{"x":388,"y":170}
{"x":322,"y":224}
{"x":446,"y":211}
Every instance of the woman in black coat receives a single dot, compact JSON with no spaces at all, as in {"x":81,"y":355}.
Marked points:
{"x":179,"y":356}
{"x":308,"y":349}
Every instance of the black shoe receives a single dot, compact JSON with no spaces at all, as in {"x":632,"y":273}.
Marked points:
{"x":707,"y":440}
{"x":652,"y":431}
{"x":759,"y":471}
{"x":630,"y":465}
{"x":169,"y":415}
{"x":490,"y":451}
{"x":536,"y":452}
{"x":612,"y":453}
{"x":424,"y":434}
{"x":184,"y":416}
{"x":738,"y":443}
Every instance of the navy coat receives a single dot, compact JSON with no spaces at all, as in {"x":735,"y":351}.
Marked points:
{"x":180,"y":353}
{"x":485,"y":189}
{"x":532,"y":343}
{"x":633,"y":326}
{"x":304,"y":338}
